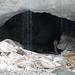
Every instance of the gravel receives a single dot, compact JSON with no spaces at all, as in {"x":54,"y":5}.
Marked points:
{"x":26,"y":72}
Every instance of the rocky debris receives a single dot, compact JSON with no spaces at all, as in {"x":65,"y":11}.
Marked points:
{"x":65,"y":52}
{"x":70,"y":65}
{"x":60,"y":60}
{"x":14,"y":59}
{"x":12,"y":54}
{"x":67,"y":41}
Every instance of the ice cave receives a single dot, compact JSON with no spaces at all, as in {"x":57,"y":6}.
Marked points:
{"x":37,"y":37}
{"x":43,"y":29}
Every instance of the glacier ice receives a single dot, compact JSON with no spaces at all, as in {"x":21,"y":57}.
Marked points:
{"x":60,"y":8}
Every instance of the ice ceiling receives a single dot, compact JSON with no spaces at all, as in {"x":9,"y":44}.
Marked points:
{"x":60,"y":8}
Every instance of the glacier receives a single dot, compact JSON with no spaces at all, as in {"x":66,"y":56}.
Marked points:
{"x":60,"y":8}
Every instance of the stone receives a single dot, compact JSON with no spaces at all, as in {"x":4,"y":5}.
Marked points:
{"x":67,"y":41}
{"x":60,"y":60}
{"x":9,"y":8}
{"x":70,"y":65}
{"x":62,"y":46}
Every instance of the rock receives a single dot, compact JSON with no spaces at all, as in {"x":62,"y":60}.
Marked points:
{"x":14,"y":56}
{"x":60,"y":8}
{"x":14,"y":43}
{"x":67,"y":41}
{"x":21,"y":52}
{"x":60,"y":60}
{"x":70,"y":65}
{"x":14,"y":60}
{"x":62,"y":46}
{"x":65,"y":52}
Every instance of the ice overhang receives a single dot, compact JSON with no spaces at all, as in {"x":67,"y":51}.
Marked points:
{"x":60,"y":8}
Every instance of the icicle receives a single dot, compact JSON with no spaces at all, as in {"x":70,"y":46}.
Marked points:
{"x":31,"y":24}
{"x":66,"y":25}
{"x":29,"y":30}
{"x":74,"y":26}
{"x":61,"y":18}
{"x":23,"y":29}
{"x":61,"y":25}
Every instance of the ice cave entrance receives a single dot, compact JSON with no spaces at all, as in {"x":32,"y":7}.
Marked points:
{"x":36,"y":31}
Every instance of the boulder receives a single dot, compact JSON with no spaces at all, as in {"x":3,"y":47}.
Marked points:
{"x":67,"y":41}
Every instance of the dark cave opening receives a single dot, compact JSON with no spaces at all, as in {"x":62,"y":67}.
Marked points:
{"x":45,"y":29}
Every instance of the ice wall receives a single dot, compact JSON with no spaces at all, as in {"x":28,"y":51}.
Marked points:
{"x":60,"y":8}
